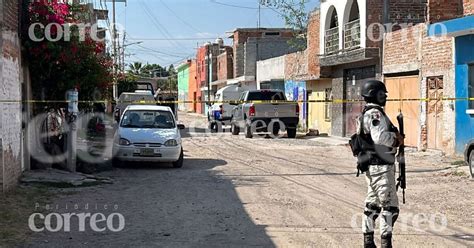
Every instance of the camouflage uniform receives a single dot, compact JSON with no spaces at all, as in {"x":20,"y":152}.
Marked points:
{"x":382,"y":195}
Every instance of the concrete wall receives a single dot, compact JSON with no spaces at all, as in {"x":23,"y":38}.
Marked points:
{"x":10,"y":90}
{"x":262,"y":49}
{"x":242,"y":36}
{"x":270,"y":69}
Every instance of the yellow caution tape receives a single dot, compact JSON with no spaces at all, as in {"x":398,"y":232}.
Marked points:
{"x":336,"y":101}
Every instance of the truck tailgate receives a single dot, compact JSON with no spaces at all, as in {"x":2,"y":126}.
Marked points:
{"x":280,"y":110}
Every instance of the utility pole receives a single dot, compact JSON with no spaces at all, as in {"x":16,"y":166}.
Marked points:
{"x":259,"y":16}
{"x":114,"y":44}
{"x":123,"y":52}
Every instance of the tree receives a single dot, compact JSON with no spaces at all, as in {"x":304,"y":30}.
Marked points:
{"x":295,"y":16}
{"x":135,"y":68}
{"x":126,"y":83}
{"x":58,"y":66}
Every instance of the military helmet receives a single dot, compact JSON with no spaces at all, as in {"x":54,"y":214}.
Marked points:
{"x":371,"y":87}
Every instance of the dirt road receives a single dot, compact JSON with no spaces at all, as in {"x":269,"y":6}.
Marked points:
{"x":237,"y":192}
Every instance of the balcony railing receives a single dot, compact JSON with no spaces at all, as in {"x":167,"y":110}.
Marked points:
{"x":332,"y":40}
{"x":352,"y":35}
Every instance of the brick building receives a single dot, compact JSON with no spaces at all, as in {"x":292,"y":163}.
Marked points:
{"x":419,"y":66}
{"x":225,"y":68}
{"x":358,"y":37}
{"x":457,"y":81}
{"x":307,"y":82}
{"x":12,"y":76}
{"x":253,"y":44}
{"x":206,"y":60}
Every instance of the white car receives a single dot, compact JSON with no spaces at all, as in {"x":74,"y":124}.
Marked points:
{"x":148,"y":134}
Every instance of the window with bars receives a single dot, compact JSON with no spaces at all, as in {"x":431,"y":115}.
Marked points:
{"x":332,"y":40}
{"x":352,"y":35}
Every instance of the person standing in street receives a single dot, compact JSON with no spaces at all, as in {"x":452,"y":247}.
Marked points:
{"x":383,"y":138}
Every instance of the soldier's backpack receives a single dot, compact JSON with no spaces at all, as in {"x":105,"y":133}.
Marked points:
{"x":362,"y":145}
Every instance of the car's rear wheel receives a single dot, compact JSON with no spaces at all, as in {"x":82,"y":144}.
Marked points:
{"x":235,"y":129}
{"x":179,"y":163}
{"x":291,"y":132}
{"x":471,"y":163}
{"x":275,"y":131}
{"x":248,"y":132}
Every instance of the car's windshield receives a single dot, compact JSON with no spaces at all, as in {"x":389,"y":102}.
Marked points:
{"x":148,"y":119}
{"x":266,"y":96}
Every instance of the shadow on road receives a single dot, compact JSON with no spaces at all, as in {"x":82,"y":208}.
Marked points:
{"x":187,"y":207}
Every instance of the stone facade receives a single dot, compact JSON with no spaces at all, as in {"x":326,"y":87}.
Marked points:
{"x":10,"y":91}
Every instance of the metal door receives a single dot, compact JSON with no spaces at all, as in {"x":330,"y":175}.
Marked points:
{"x":353,"y":80}
{"x":400,"y":90}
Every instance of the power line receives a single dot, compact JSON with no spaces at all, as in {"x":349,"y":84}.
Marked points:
{"x":179,"y":18}
{"x":232,"y":5}
{"x":174,"y":39}
{"x":158,"y":25}
{"x":164,"y":53}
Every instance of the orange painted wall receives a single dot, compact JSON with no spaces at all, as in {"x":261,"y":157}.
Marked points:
{"x":193,"y":92}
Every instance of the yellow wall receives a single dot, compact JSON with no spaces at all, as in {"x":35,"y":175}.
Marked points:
{"x":316,"y":111}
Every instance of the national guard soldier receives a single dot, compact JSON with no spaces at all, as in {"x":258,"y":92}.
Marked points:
{"x":377,"y":160}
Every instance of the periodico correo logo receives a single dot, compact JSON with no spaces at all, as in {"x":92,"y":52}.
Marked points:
{"x":79,"y":219}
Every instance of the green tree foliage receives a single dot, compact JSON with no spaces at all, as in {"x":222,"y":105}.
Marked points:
{"x":167,"y":78}
{"x":135,"y":68}
{"x":126,"y":83}
{"x":57,"y":66}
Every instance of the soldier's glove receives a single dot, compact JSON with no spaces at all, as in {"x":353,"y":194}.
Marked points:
{"x":399,"y":139}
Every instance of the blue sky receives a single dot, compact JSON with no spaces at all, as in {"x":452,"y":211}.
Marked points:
{"x":160,"y":24}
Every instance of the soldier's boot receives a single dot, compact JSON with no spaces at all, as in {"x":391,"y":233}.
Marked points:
{"x":369,"y":240}
{"x":387,"y":241}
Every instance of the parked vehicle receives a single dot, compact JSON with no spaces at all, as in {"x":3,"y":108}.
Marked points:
{"x":129,"y":98}
{"x":148,"y":134}
{"x":145,"y":86}
{"x":255,"y":112}
{"x":469,"y":156}
{"x":220,"y":112}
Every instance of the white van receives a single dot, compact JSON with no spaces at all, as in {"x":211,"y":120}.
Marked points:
{"x":220,"y":112}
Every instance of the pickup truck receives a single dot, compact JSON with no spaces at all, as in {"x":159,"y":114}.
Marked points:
{"x":264,"y":111}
